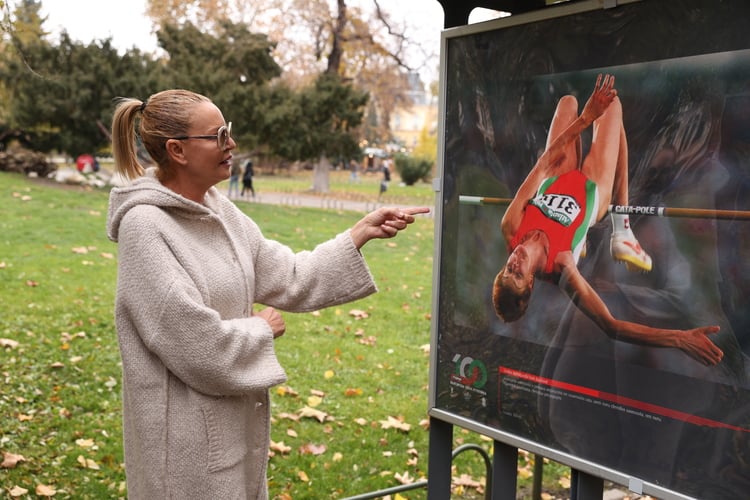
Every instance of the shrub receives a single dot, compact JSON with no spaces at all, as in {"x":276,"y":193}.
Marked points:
{"x":413,"y":168}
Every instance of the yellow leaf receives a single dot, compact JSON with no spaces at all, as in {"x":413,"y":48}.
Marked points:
{"x":302,"y":476}
{"x":314,"y":401}
{"x":337,"y":457}
{"x":328,"y":374}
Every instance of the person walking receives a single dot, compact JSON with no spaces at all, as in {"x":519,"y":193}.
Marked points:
{"x":247,"y":178}
{"x":197,"y":347}
{"x":234,"y":179}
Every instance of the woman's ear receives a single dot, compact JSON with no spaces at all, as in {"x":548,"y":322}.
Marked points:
{"x":176,"y":151}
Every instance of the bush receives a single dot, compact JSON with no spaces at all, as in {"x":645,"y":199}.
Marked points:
{"x":413,"y":168}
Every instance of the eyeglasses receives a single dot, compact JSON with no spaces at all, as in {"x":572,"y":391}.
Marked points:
{"x":221,"y":137}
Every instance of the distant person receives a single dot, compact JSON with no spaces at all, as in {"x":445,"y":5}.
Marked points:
{"x":247,"y":179}
{"x":234,"y":179}
{"x":197,"y":352}
{"x":386,"y":176}
{"x":354,"y":169}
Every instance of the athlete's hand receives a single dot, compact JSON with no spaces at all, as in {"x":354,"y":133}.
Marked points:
{"x":696,"y":344}
{"x":602,"y":96}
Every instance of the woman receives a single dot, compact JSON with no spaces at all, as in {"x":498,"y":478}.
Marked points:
{"x":197,"y":360}
{"x":545,"y":225}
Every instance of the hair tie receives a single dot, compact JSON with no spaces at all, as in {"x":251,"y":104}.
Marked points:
{"x":143,"y":105}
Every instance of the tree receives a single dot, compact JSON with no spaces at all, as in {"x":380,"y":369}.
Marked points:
{"x":62,"y":95}
{"x":233,"y":68}
{"x":366,"y":49}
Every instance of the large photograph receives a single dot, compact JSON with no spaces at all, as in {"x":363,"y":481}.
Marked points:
{"x":594,"y":271}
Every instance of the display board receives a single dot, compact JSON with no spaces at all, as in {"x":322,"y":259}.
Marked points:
{"x":644,"y":411}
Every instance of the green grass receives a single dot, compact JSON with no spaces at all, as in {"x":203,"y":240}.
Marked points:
{"x":366,"y":188}
{"x":60,"y":396}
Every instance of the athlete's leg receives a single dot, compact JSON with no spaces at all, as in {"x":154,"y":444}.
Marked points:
{"x":607,"y":166}
{"x":607,"y":160}
{"x":565,"y":114}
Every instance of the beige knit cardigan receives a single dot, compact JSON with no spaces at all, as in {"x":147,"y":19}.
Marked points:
{"x":196,"y":364}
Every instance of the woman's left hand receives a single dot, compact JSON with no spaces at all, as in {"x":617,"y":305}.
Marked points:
{"x":384,"y":222}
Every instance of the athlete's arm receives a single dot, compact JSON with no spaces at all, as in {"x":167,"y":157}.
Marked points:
{"x":693,"y":342}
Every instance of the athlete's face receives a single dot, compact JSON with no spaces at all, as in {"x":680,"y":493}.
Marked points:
{"x":517,"y":272}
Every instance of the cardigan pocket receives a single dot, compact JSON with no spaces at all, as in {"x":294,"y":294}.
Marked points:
{"x":225,"y":433}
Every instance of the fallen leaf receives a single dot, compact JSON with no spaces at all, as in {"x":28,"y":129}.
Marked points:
{"x":280,"y":447}
{"x":328,"y":374}
{"x":312,"y":449}
{"x":313,"y":413}
{"x":394,"y":423}
{"x":302,"y":476}
{"x":289,"y":416}
{"x":404,"y":478}
{"x":80,"y":250}
{"x":291,"y":433}
{"x":285,"y":390}
{"x":10,"y":460}
{"x":360,"y":421}
{"x":85,"y":443}
{"x":314,"y":401}
{"x":466,"y":480}
{"x":17,"y":491}
{"x":353,"y":392}
{"x":359,"y":314}
{"x":337,"y":457}
{"x":45,"y":491}
{"x":87,"y":463}
{"x":32,"y":283}
{"x":318,"y":393}
{"x":9,"y":343}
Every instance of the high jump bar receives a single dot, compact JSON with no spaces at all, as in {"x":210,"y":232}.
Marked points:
{"x":698,"y":213}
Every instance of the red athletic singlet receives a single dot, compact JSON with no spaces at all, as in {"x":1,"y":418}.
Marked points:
{"x":564,"y":208}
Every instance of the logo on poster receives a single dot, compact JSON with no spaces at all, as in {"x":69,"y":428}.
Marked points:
{"x":469,"y":372}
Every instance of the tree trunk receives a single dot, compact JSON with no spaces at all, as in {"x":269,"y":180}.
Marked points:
{"x":321,"y":176}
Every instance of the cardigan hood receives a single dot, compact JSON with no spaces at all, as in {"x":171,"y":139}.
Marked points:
{"x":147,"y":190}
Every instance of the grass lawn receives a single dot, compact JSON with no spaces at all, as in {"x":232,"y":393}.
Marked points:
{"x":351,"y":418}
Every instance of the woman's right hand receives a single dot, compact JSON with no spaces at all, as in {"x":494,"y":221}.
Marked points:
{"x":274,"y":320}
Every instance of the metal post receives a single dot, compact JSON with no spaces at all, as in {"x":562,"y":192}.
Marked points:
{"x":439,"y":464}
{"x":585,"y":486}
{"x":504,"y":472}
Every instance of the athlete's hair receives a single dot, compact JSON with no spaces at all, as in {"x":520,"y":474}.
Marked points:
{"x":510,"y":303}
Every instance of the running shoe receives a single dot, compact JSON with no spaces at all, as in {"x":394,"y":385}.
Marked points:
{"x":625,"y":248}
